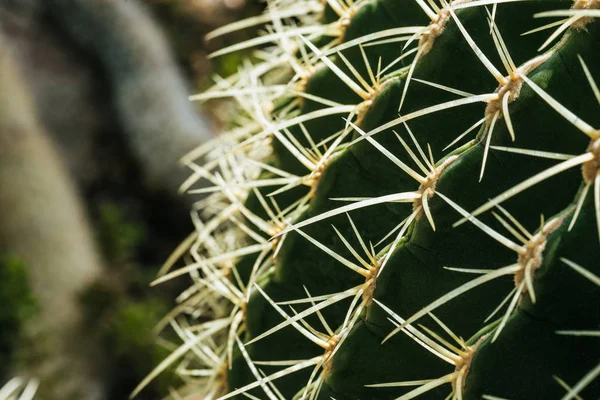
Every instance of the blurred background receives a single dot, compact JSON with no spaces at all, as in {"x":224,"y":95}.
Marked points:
{"x":94,"y":116}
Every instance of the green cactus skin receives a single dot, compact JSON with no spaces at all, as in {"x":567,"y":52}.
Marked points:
{"x":355,"y":246}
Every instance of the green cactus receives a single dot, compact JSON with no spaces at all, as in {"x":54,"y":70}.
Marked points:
{"x":370,"y":226}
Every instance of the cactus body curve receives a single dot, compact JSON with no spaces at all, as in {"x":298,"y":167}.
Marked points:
{"x":407,"y":205}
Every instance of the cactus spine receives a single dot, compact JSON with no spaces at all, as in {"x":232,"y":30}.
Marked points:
{"x":372,"y":227}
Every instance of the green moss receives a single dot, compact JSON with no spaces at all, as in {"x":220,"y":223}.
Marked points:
{"x":124,"y":328}
{"x":129,"y":338}
{"x":119,"y":237}
{"x":17,"y":306}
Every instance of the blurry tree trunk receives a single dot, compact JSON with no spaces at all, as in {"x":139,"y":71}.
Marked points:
{"x":43,"y":223}
{"x":151,"y":98}
{"x":79,"y":74}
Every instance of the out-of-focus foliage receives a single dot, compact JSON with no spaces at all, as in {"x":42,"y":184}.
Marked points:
{"x":17,"y":305}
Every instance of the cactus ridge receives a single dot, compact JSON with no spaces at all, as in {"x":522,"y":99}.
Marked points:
{"x":407,"y":205}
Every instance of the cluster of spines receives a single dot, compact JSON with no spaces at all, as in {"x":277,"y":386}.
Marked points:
{"x":258,"y":196}
{"x":19,"y":389}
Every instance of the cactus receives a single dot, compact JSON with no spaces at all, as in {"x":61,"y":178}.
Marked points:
{"x":19,"y":389}
{"x":407,"y":205}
